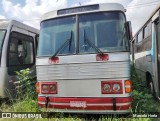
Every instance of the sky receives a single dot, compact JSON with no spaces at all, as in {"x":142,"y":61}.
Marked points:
{"x":30,"y":11}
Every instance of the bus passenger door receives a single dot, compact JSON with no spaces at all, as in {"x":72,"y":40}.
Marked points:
{"x":158,"y":51}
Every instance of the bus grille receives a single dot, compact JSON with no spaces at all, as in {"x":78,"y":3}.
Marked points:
{"x":84,"y":71}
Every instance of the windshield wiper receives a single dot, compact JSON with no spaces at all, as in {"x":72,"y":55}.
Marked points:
{"x":65,"y":44}
{"x":91,"y":43}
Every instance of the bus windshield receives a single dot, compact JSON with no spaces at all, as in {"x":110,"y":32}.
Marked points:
{"x":105,"y":31}
{"x":54,"y":33}
{"x":2,"y":34}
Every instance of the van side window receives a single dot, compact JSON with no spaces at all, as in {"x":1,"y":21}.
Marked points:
{"x":21,"y":50}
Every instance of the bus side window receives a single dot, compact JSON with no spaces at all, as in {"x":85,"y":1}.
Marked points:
{"x":20,"y":50}
{"x":139,"y":41}
{"x":147,"y":43}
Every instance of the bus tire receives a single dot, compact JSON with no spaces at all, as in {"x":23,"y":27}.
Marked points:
{"x":150,"y":86}
{"x":151,"y":90}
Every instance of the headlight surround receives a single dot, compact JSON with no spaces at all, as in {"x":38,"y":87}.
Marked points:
{"x":111,"y":87}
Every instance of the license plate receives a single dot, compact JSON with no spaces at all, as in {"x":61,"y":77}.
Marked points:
{"x":78,"y":104}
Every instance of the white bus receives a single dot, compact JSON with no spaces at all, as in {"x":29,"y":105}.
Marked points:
{"x":83,"y":63}
{"x":17,"y":51}
{"x":146,"y":53}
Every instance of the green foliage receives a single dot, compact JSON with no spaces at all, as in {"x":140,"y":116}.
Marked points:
{"x":25,"y":86}
{"x":142,"y":101}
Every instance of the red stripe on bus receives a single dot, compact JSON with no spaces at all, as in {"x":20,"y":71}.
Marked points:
{"x":87,"y":100}
{"x":124,"y":107}
{"x":123,"y":100}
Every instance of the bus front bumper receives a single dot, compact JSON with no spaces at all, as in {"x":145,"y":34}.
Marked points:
{"x":92,"y":105}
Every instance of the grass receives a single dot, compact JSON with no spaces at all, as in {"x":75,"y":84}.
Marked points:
{"x":26,"y":105}
{"x":143,"y":102}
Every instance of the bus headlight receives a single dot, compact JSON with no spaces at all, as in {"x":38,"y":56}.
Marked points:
{"x":106,"y":88}
{"x":111,"y":87}
{"x":116,"y":87}
{"x":53,"y":88}
{"x":44,"y":88}
{"x":49,"y":88}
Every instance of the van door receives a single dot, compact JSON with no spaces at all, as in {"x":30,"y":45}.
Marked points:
{"x":21,"y":53}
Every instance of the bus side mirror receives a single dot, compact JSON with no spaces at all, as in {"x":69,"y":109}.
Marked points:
{"x":129,"y":29}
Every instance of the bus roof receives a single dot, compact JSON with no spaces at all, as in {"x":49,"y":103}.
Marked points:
{"x":83,"y":9}
{"x":4,"y":24}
